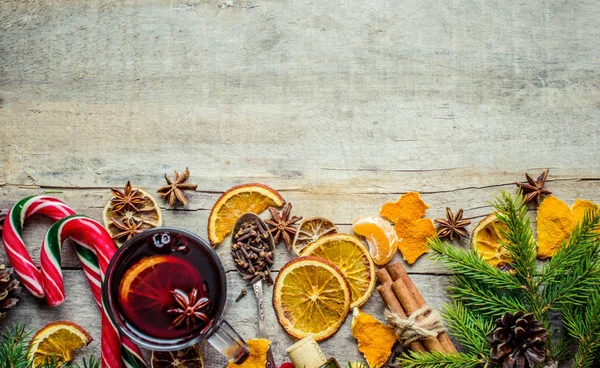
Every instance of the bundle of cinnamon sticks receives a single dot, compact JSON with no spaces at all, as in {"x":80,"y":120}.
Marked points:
{"x":402,"y":297}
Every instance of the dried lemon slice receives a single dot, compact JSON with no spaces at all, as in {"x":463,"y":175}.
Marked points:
{"x":235,"y":202}
{"x":57,"y":341}
{"x":311,"y":297}
{"x":487,"y":241}
{"x":143,"y":215}
{"x":310,"y":230}
{"x":352,"y":258}
{"x":186,"y":358}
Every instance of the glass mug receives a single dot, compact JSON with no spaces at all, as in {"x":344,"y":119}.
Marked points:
{"x":165,"y":289}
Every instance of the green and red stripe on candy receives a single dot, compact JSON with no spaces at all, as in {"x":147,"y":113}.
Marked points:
{"x":94,"y":248}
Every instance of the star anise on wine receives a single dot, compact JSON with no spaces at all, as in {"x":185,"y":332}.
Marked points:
{"x":534,"y":189}
{"x":174,"y":190}
{"x":281,"y":225}
{"x":190,"y":308}
{"x":128,"y":198}
{"x":453,"y":226}
{"x":128,"y":228}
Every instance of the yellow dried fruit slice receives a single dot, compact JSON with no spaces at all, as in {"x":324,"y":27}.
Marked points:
{"x":352,"y":258}
{"x":186,"y":358}
{"x":381,"y":237}
{"x":408,"y":206}
{"x":147,"y":214}
{"x":57,"y":341}
{"x":311,"y":297}
{"x":487,"y":241}
{"x":310,"y":230}
{"x":236,"y":201}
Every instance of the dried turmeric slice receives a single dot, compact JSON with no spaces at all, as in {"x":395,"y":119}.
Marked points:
{"x":258,"y":355}
{"x":375,"y":339}
{"x":408,"y":206}
{"x":414,"y":235}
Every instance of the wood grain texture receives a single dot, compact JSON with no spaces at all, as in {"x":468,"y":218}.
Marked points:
{"x":340,"y":105}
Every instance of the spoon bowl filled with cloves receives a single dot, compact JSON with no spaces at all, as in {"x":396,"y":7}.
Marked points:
{"x":253,"y":252}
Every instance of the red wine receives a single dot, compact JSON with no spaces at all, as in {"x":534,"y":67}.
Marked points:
{"x":169,"y":287}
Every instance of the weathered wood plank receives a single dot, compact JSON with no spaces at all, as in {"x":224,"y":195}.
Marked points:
{"x":80,"y":307}
{"x":341,"y":208}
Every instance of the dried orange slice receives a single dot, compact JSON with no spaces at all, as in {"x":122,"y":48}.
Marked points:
{"x":310,"y":230}
{"x":186,"y":358}
{"x":235,"y":202}
{"x":311,"y":297}
{"x":352,"y":258}
{"x":57,"y":341}
{"x":381,"y":237}
{"x":146,"y":213}
{"x":487,"y":241}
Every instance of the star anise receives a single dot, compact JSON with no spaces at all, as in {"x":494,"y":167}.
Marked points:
{"x":129,"y":228}
{"x":174,"y":190}
{"x":128,"y":198}
{"x":453,"y":225}
{"x":534,"y":189}
{"x":281,"y":225}
{"x":190,"y":308}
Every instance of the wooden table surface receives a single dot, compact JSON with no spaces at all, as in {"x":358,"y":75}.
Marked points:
{"x":340,"y":105}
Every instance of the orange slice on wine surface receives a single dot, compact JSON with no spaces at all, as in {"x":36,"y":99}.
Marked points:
{"x":145,"y":292}
{"x":236,"y":201}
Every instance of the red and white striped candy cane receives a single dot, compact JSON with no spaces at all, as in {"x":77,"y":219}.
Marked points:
{"x":13,"y":242}
{"x":94,"y":248}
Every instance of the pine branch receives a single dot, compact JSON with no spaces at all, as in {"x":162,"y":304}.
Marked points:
{"x":574,"y":273}
{"x":441,"y":360}
{"x":583,"y":323}
{"x":468,"y":328}
{"x":90,"y":362}
{"x":470,"y":264}
{"x":14,"y":343}
{"x":480,"y":299}
{"x":520,"y":244}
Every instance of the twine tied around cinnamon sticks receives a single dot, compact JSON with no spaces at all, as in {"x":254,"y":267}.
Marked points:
{"x":422,"y":324}
{"x":403,"y":298}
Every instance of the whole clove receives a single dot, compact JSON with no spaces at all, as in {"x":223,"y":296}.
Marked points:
{"x":243,"y":293}
{"x":251,"y":253}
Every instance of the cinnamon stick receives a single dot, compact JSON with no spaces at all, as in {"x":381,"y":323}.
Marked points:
{"x":389,"y":298}
{"x":397,"y":272}
{"x":410,"y":306}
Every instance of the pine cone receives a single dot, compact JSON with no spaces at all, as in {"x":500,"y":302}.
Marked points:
{"x":9,"y":289}
{"x":518,"y":341}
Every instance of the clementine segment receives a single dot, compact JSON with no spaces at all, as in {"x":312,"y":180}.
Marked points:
{"x":381,"y":237}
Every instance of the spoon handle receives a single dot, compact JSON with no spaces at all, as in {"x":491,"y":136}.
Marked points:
{"x":262,"y":325}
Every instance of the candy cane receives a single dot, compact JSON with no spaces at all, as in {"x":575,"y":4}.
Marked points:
{"x":13,"y":242}
{"x":94,"y":248}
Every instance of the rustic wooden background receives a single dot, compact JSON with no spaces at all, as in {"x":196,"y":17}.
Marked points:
{"x":341,"y":105}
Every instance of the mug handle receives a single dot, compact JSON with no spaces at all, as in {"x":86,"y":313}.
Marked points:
{"x":229,"y":343}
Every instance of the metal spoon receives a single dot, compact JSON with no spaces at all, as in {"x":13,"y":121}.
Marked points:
{"x":258,"y":285}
